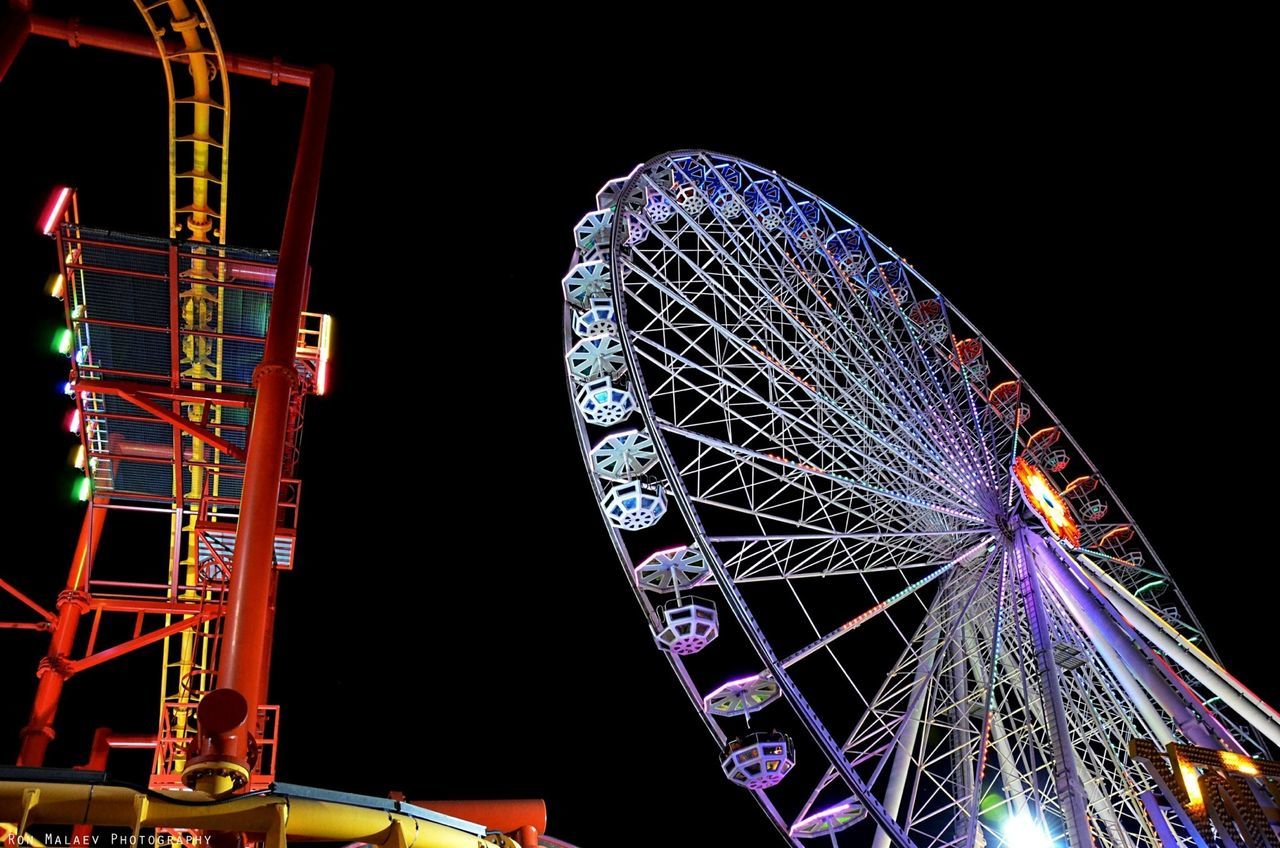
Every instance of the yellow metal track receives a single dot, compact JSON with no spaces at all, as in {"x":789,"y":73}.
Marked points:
{"x":199,"y":102}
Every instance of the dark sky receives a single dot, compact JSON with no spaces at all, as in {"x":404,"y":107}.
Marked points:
{"x":457,"y":625}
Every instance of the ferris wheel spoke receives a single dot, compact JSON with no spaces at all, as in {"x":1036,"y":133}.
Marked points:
{"x":802,"y":394}
{"x":826,"y":353}
{"x":819,"y":555}
{"x":734,"y":392}
{"x":988,"y":699}
{"x":929,"y":392}
{"x":726,"y":473}
{"x":780,"y":492}
{"x":806,"y":438}
{"x":859,"y":536}
{"x":761,"y":251}
{"x":939,"y":392}
{"x":906,"y":702}
{"x":827,"y":639}
{"x":878,"y":731}
{"x":803,"y":477}
{"x":833,"y":371}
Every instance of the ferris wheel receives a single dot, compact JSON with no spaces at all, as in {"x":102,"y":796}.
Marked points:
{"x":904,"y":601}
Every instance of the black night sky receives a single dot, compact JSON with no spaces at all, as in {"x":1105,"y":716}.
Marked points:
{"x":457,"y":625}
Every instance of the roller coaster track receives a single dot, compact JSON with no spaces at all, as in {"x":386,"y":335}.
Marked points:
{"x":199,"y":136}
{"x":210,"y":107}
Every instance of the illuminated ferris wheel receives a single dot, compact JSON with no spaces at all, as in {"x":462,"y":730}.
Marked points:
{"x":903,"y":599}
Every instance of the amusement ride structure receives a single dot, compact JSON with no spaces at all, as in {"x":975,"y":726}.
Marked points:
{"x":904,"y":601}
{"x":189,"y":365}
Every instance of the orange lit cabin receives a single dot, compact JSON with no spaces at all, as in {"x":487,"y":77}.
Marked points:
{"x":1040,"y":450}
{"x":969,"y":356}
{"x":927,"y":315}
{"x":1112,"y":543}
{"x":1006,"y":402}
{"x":1080,"y":493}
{"x":1115,"y":538}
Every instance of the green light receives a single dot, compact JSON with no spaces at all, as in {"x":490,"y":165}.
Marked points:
{"x":989,"y":803}
{"x":1154,"y":584}
{"x":62,"y":341}
{"x":82,"y":489}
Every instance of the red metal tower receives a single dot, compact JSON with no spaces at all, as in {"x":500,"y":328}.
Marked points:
{"x":189,"y":365}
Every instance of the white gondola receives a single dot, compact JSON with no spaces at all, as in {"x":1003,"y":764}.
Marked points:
{"x":607,"y":196}
{"x":595,"y":356}
{"x":758,"y":760}
{"x":585,"y":281}
{"x":604,"y":404}
{"x":688,"y":625}
{"x":592,"y":232}
{"x":673,"y":569}
{"x":628,"y":455}
{"x":830,"y":821}
{"x":741,"y":697}
{"x":636,"y":227}
{"x":598,"y":318}
{"x":657,"y":207}
{"x":690,"y":199}
{"x":634,"y":506}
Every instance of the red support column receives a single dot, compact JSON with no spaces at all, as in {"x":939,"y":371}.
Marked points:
{"x":55,"y":668}
{"x":15,"y":26}
{"x":223,"y":762}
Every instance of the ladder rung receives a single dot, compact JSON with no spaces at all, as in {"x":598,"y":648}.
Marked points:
{"x":208,"y":212}
{"x":199,"y":101}
{"x":192,"y":175}
{"x":193,"y":51}
{"x":200,"y":139}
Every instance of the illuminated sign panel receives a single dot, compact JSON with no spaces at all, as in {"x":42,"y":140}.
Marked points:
{"x":1215,"y":790}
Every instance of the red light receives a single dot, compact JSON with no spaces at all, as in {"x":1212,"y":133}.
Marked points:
{"x":54,"y":209}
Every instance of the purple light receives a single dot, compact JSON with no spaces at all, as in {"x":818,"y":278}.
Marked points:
{"x":831,"y":820}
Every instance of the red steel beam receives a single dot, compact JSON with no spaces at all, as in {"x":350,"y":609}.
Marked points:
{"x":15,"y":26}
{"x":139,"y":642}
{"x":122,"y":387}
{"x":54,"y":668}
{"x":247,"y":629}
{"x":78,"y":34}
{"x":39,"y":610}
{"x":185,"y":425}
{"x":143,"y":605}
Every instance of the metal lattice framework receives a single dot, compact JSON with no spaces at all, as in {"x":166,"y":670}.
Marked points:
{"x":933,"y":580}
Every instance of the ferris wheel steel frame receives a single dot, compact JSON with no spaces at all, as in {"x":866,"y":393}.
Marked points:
{"x":1083,"y":592}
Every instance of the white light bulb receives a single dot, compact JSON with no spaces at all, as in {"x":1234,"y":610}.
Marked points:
{"x":1022,"y":831}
